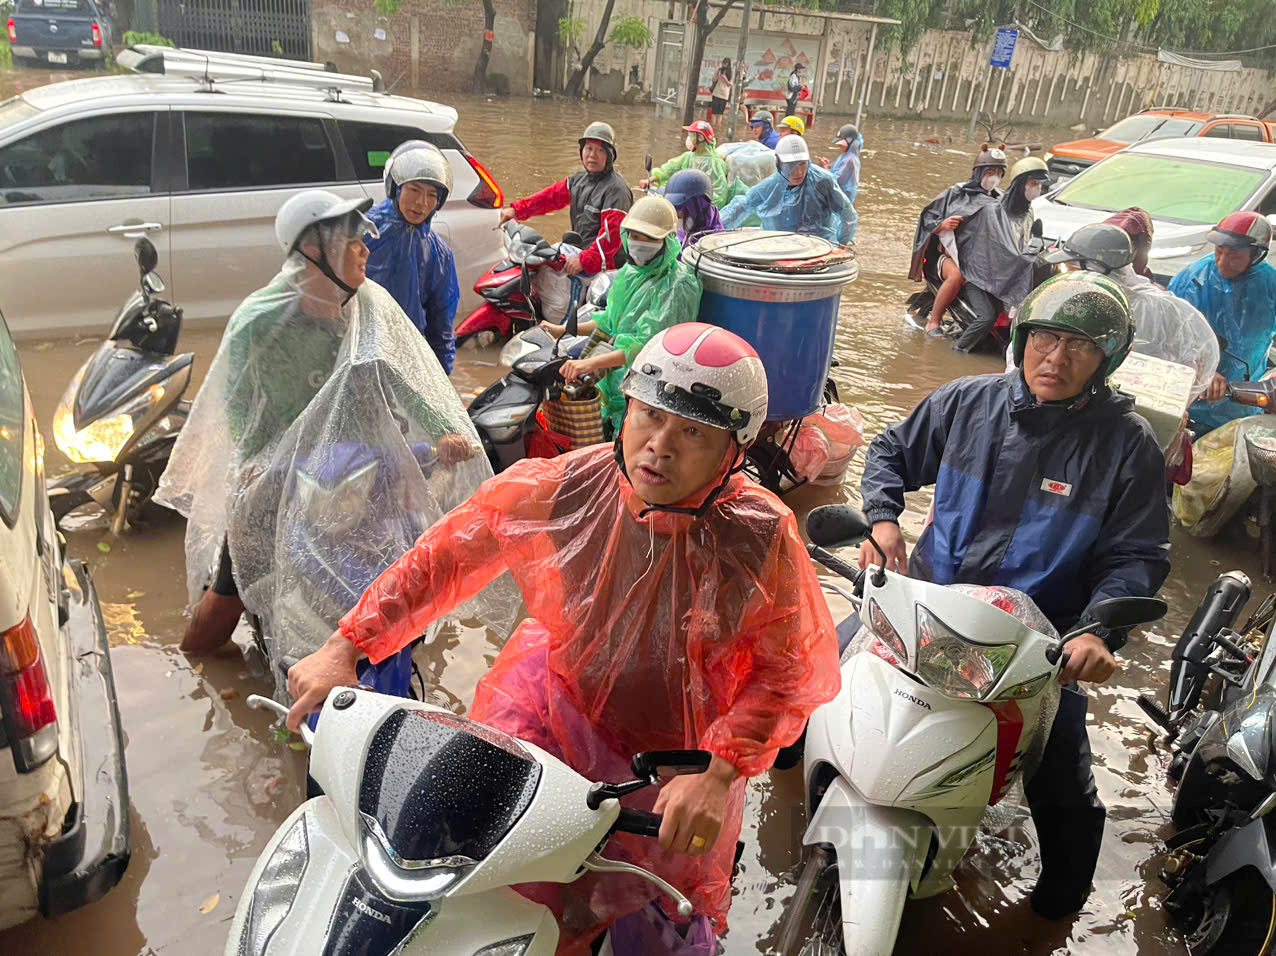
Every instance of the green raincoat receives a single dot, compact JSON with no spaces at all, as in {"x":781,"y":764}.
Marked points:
{"x":706,"y":159}
{"x":643,"y":301}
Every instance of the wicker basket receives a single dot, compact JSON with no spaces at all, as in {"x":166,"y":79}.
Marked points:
{"x":1260,"y":446}
{"x":580,"y":419}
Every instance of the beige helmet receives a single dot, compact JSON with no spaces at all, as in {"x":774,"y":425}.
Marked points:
{"x":1030,"y":164}
{"x":652,"y":216}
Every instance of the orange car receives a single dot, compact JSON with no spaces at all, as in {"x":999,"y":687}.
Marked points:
{"x":1067,"y":159}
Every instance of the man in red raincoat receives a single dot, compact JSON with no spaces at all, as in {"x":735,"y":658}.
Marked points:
{"x":673,"y":606}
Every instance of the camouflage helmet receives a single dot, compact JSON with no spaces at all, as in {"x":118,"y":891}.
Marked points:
{"x":603,"y":133}
{"x":1100,"y":242}
{"x":1078,"y":303}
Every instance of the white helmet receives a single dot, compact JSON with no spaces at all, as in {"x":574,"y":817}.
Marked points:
{"x":704,"y":373}
{"x":314,"y":206}
{"x":792,"y":149}
{"x":417,"y":161}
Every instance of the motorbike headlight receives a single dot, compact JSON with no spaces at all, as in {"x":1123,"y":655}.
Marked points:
{"x":273,"y":896}
{"x":105,"y":438}
{"x":101,"y":440}
{"x":954,"y":666}
{"x":507,"y":947}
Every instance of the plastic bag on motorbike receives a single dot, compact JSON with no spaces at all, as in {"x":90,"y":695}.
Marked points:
{"x":826,"y":442}
{"x":558,"y":292}
{"x":1221,"y":480}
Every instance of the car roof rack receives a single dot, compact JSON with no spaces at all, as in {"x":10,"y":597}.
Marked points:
{"x":214,"y":70}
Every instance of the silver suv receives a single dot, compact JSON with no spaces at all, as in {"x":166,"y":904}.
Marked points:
{"x":200,"y":161}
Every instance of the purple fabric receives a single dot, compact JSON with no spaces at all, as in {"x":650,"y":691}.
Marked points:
{"x":704,"y":217}
{"x":649,"y":931}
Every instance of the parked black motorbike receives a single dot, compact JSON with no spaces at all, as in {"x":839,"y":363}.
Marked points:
{"x":123,"y":410}
{"x":1220,"y":724}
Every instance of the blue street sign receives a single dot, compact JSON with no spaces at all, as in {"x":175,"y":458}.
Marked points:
{"x":1003,"y":48}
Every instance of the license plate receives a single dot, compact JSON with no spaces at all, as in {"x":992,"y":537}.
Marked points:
{"x":57,"y":57}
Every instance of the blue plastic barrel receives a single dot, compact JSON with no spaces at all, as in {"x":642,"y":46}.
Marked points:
{"x":780,"y":292}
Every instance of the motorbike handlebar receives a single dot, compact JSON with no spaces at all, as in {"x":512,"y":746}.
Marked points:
{"x":641,"y":822}
{"x":835,"y":564}
{"x":1255,"y":394}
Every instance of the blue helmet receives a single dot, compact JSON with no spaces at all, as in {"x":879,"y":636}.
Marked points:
{"x":686,"y":184}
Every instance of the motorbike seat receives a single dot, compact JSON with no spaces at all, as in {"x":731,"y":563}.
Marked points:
{"x":846,"y":631}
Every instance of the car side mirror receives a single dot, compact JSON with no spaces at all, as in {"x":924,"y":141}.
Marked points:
{"x":670,"y":763}
{"x":147,"y":257}
{"x":837,"y":526}
{"x":1123,"y":612}
{"x":1095,"y":132}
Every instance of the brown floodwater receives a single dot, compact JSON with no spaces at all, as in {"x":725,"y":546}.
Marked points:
{"x":208,"y":784}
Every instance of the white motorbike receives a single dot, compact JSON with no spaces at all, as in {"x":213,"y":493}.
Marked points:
{"x":426,"y":821}
{"x":945,"y":698}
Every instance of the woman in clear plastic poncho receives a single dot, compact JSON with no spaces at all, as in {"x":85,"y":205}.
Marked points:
{"x":324,"y":439}
{"x":672,"y":606}
{"x":654,"y":291}
{"x":800,"y":197}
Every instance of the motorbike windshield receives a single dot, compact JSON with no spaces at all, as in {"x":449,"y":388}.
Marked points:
{"x":443,"y":790}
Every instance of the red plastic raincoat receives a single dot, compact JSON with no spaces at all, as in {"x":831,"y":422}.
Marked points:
{"x":656,"y":631}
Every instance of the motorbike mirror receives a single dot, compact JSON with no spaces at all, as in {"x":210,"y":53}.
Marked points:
{"x":572,"y":238}
{"x":1222,"y":342}
{"x":1122,"y":612}
{"x":152,"y":283}
{"x":573,"y":323}
{"x":670,"y":763}
{"x":1038,"y":230}
{"x":837,"y":526}
{"x":147,"y":257}
{"x":647,"y":164}
{"x":598,"y":289}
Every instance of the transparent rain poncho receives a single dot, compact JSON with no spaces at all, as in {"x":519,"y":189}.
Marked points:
{"x":704,"y":158}
{"x":324,"y":440}
{"x":817,"y":207}
{"x":649,"y":630}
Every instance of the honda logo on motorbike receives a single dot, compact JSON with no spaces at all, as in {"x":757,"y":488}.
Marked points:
{"x":367,"y":910}
{"x":1056,"y":487}
{"x":899,"y":692}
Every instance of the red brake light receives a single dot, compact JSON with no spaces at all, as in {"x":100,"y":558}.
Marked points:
{"x":486,"y":195}
{"x":27,"y":697}
{"x":13,"y":32}
{"x":97,"y":33}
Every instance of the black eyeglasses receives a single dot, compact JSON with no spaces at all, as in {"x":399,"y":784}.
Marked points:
{"x":1045,"y":342}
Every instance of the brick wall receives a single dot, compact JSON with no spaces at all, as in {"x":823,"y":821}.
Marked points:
{"x":428,"y":45}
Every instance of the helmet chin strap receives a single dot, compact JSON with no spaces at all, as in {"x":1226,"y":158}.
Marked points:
{"x":322,"y":265}
{"x":698,"y":512}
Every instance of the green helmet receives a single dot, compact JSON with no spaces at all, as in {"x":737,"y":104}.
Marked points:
{"x":1101,"y":243}
{"x":1079,"y":303}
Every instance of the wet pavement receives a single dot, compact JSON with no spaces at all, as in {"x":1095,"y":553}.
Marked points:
{"x":209,"y":784}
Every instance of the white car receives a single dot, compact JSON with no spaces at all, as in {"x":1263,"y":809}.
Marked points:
{"x":64,"y":817}
{"x":1186,"y":185}
{"x":201,"y":167}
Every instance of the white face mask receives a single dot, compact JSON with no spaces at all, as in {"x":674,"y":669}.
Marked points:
{"x":691,"y":143}
{"x":642,"y":251}
{"x":1031,"y":190}
{"x":989,"y":182}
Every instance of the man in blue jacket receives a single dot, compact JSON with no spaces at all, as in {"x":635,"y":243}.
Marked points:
{"x":1236,"y":292}
{"x":1045,"y":481}
{"x":409,"y":259}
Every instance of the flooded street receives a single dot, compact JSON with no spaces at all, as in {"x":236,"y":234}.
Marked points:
{"x":209,"y":784}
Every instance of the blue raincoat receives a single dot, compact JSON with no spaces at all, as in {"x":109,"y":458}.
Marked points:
{"x":770,"y":137}
{"x":1243,"y":311}
{"x":818,"y":207}
{"x":1054,"y":501}
{"x":416,"y":267}
{"x":846,"y":169}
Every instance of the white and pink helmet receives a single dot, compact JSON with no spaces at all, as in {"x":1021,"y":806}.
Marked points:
{"x":704,"y":373}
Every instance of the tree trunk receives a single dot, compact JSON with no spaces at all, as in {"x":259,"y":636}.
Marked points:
{"x":548,"y":13}
{"x":485,"y":51}
{"x":577,"y":82}
{"x":697,"y":54}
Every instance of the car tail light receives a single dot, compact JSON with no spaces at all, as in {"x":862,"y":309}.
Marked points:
{"x":486,"y":195}
{"x":30,"y":716}
{"x":97,"y":33}
{"x":13,"y":32}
